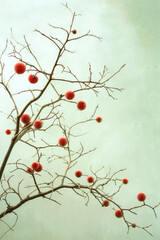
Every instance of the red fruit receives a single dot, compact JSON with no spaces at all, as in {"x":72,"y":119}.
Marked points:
{"x":69,"y":95}
{"x":35,"y":166}
{"x":20,"y":68}
{"x":38,"y":124}
{"x":133,"y":225}
{"x":141,"y":197}
{"x":98,"y":119}
{"x":78,"y":173}
{"x":62,"y":141}
{"x":90,"y":179}
{"x":125,"y":180}
{"x":81,"y":105}
{"x":33,"y":78}
{"x":29,"y":170}
{"x":8,"y":131}
{"x":106,"y":203}
{"x":25,"y":118}
{"x":39,"y":169}
{"x":74,"y":31}
{"x":118,"y":213}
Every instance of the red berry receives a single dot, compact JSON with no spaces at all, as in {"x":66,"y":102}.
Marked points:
{"x":78,"y":173}
{"x":33,"y":78}
{"x":25,"y":118}
{"x":69,"y":95}
{"x":8,"y":131}
{"x":62,"y":141}
{"x":20,"y":68}
{"x":74,"y":31}
{"x":81,"y":105}
{"x":141,"y":197}
{"x":35,"y":166}
{"x":39,"y":169}
{"x":106,"y":203}
{"x":29,"y":170}
{"x":125,"y":180}
{"x":118,"y":213}
{"x":133,"y":225}
{"x":38,"y":124}
{"x":90,"y":179}
{"x":98,"y":119}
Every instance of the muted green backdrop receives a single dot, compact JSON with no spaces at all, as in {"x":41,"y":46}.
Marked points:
{"x":129,"y":135}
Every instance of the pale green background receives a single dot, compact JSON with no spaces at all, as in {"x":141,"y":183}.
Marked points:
{"x":129,"y":134}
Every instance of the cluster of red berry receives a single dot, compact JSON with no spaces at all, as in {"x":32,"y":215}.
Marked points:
{"x":78,"y":174}
{"x":118,"y":213}
{"x":25,"y":118}
{"x":20,"y":68}
{"x":81,"y":105}
{"x":36,"y":166}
